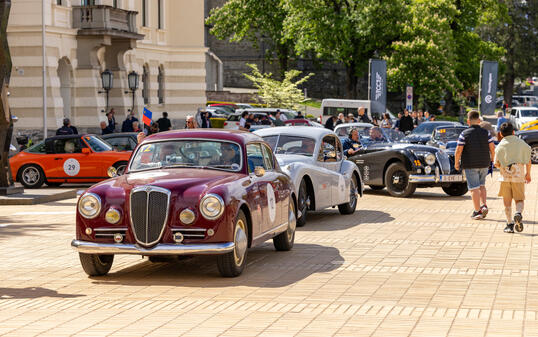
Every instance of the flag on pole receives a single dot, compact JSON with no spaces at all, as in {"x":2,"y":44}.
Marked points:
{"x":146,"y":117}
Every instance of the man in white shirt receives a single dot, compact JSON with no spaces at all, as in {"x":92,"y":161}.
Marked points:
{"x":282,"y":116}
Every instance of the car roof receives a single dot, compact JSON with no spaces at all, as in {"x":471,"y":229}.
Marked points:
{"x":237,"y":136}
{"x":525,"y":108}
{"x":300,"y":131}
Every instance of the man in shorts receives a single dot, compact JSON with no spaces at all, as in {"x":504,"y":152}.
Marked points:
{"x":513,"y":158}
{"x":476,"y":151}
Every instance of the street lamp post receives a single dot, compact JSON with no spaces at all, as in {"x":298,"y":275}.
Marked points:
{"x":107,"y":80}
{"x":132,"y":78}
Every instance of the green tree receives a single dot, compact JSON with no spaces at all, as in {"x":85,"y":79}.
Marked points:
{"x":275,"y":93}
{"x":519,"y":37}
{"x":253,"y":20}
{"x":349,"y":32}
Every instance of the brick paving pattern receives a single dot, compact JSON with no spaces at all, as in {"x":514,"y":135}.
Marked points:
{"x":397,"y":267}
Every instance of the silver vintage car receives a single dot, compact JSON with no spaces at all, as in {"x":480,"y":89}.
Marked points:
{"x":314,"y":160}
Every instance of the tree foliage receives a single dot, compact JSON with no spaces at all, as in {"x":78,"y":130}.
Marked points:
{"x":275,"y":93}
{"x":253,"y":20}
{"x":349,"y":32}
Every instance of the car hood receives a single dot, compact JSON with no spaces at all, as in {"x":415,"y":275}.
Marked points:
{"x":286,"y":159}
{"x":180,"y":181}
{"x":524,"y":120}
{"x":402,"y":146}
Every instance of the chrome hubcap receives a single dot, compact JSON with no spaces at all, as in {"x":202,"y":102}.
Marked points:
{"x":241,"y":242}
{"x":292,"y":223}
{"x":395,"y":180}
{"x":30,"y":175}
{"x":534,"y":154}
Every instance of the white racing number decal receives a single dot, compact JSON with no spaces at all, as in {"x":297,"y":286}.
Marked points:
{"x":271,"y":202}
{"x":341,"y":188}
{"x":71,"y":167}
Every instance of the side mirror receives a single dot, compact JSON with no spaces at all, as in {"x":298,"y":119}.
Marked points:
{"x":86,"y":150}
{"x":259,"y":171}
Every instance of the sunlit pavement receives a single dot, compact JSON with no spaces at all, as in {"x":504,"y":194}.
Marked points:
{"x":417,"y":266}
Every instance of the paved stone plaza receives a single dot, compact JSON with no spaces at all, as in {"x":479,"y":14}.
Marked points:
{"x":397,"y":267}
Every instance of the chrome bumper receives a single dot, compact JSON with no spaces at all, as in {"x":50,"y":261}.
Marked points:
{"x":160,"y":249}
{"x":432,"y":178}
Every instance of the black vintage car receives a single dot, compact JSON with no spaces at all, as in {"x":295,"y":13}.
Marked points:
{"x":402,"y":167}
{"x":530,"y":137}
{"x":423,"y":133}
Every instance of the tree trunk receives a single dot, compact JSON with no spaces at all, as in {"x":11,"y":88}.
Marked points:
{"x":283,"y":56}
{"x":351,"y":81}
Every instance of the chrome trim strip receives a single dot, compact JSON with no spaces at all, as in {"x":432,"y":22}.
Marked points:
{"x":161,"y":249}
{"x":273,"y":230}
{"x":190,"y":236}
{"x":110,"y":229}
{"x":148,"y":189}
{"x":431,"y":178}
{"x":103,"y":235}
{"x":188,"y":230}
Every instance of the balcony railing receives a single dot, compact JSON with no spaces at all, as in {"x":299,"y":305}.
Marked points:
{"x":102,"y":19}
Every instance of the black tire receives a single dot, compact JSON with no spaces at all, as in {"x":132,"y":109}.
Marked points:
{"x":397,"y":181}
{"x":534,"y":153}
{"x":376,"y":188}
{"x":31,"y":176}
{"x":49,"y":184}
{"x":302,"y":204}
{"x":284,"y":241}
{"x":232,"y":264}
{"x":96,"y":265}
{"x":120,"y":167}
{"x":456,"y":189}
{"x":349,"y":208}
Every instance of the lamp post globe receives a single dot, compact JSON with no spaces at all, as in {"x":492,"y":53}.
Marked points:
{"x":107,"y":79}
{"x":133,"y":80}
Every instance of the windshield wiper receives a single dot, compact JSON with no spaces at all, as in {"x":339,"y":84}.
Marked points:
{"x":181,"y":165}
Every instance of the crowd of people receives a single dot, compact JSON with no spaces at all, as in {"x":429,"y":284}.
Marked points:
{"x":202,"y":119}
{"x":130,"y":124}
{"x":406,"y":121}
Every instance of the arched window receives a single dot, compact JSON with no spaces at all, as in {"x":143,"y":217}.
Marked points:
{"x":160,"y":79}
{"x":145,"y":82}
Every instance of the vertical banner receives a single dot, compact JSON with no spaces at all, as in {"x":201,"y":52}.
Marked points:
{"x":409,"y":98}
{"x":377,"y":86}
{"x":488,"y":87}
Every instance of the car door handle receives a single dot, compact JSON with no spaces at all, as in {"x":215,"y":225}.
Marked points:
{"x":58,"y":158}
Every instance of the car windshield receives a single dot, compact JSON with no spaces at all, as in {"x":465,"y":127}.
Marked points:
{"x":97,"y":144}
{"x":448,"y":134}
{"x":369,"y":135}
{"x":285,"y":144}
{"x":529,"y":113}
{"x":188,"y":153}
{"x":425,"y":128}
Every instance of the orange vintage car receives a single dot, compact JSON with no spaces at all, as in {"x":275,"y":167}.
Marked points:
{"x":67,"y":159}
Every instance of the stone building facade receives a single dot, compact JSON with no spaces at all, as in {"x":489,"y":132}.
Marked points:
{"x":161,"y":40}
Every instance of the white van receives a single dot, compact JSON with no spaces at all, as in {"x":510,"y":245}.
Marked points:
{"x":334,"y":106}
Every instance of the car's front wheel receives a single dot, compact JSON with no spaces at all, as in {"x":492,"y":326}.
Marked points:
{"x":96,"y":265}
{"x":31,"y":176}
{"x":284,"y":241}
{"x":456,"y":189}
{"x":534,"y":153}
{"x":349,"y":207}
{"x":303,"y":202}
{"x":397,"y":181}
{"x":233,"y":263}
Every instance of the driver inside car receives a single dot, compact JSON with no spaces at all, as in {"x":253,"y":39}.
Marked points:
{"x":352,"y":144}
{"x":166,"y":150}
{"x":376,"y":135}
{"x":229,"y":155}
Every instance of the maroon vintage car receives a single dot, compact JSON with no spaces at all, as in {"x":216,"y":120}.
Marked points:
{"x":186,"y":193}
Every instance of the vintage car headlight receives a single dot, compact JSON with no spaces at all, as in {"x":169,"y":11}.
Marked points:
{"x":211,"y":206}
{"x":428,"y":157}
{"x":112,"y":216}
{"x":187,"y":216}
{"x":89,"y":205}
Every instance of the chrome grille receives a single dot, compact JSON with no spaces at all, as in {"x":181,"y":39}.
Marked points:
{"x":444,"y":162}
{"x":149,"y":212}
{"x":191,"y":233}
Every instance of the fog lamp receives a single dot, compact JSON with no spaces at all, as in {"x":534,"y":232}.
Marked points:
{"x":187,"y":216}
{"x":89,"y":231}
{"x":210,"y":232}
{"x":428,"y":169}
{"x":112,"y":216}
{"x":178,"y":237}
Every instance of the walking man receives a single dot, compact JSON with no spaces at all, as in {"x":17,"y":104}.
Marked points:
{"x":512,"y":155}
{"x":476,"y":151}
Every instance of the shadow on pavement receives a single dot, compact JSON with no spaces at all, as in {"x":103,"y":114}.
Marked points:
{"x":31,"y":292}
{"x":331,"y":219}
{"x":266,"y":268}
{"x":11,"y":227}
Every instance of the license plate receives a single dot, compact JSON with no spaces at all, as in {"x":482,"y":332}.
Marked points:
{"x":452,"y":178}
